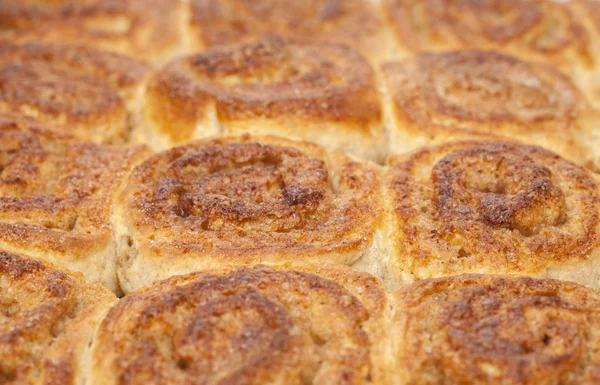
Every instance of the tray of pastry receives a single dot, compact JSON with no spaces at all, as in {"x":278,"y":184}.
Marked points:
{"x":299,"y":192}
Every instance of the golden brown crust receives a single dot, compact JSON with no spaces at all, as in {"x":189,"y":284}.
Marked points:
{"x":477,"y":329}
{"x":55,"y":196}
{"x":47,"y":319}
{"x":90,"y":92}
{"x":142,"y":28}
{"x":534,"y":29}
{"x":358,"y":23}
{"x":254,"y":325}
{"x":270,"y":86}
{"x":461,"y":94}
{"x":232,"y":200}
{"x":492,"y":207}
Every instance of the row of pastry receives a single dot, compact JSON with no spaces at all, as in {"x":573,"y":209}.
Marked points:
{"x":126,"y":217}
{"x":502,"y":69}
{"x":295,"y":324}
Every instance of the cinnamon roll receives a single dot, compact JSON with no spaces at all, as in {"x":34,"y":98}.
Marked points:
{"x":480,"y":329}
{"x":93,"y":94}
{"x":148,"y":29}
{"x":358,"y":23}
{"x":47,"y":320}
{"x":491,"y":207}
{"x":316,"y":91}
{"x":248,"y":199}
{"x":55,"y":196}
{"x":254,"y":325}
{"x":436,"y":97}
{"x":537,"y":30}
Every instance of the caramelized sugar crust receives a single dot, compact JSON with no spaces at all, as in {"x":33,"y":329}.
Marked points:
{"x":290,"y":88}
{"x":47,"y":318}
{"x":492,"y":207}
{"x":306,"y":325}
{"x":56,"y":192}
{"x":231,"y":200}
{"x":480,"y":329}
{"x":90,"y":92}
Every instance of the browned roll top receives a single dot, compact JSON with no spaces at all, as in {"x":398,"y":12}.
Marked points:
{"x":90,"y":92}
{"x":358,"y":23}
{"x":539,"y":29}
{"x":266,"y":193}
{"x":249,"y":325}
{"x":46,"y":322}
{"x":489,"y":330}
{"x":492,"y":207}
{"x":472,"y":92}
{"x":291,"y":88}
{"x":472,"y":86}
{"x":55,"y":192}
{"x":143,"y":28}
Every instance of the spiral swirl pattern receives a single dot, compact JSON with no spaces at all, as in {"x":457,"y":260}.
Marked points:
{"x":47,"y":319}
{"x":358,"y":23}
{"x":492,"y":207}
{"x":91,"y":92}
{"x":55,"y":196}
{"x":481,"y":329}
{"x":317,"y":91}
{"x":244,"y":199}
{"x":531,"y":29}
{"x":249,"y":325}
{"x":464,"y":94}
{"x":147,"y":29}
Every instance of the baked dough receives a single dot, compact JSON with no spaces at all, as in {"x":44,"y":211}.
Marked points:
{"x":147,"y":29}
{"x":491,"y":207}
{"x":588,"y":11}
{"x":245,"y":199}
{"x":437,"y":97}
{"x":539,"y":30}
{"x":478,"y":329}
{"x":254,"y":325}
{"x":47,"y":320}
{"x":93,"y":94}
{"x":55,"y":196}
{"x":358,"y":23}
{"x":321,"y":92}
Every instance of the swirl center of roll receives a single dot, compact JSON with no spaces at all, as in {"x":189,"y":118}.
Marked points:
{"x":246,"y":186}
{"x":498,"y":187}
{"x":269,"y":62}
{"x":503,"y":333}
{"x":251,"y":326}
{"x":235,"y":331}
